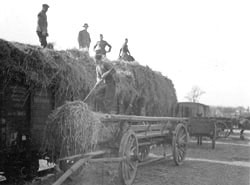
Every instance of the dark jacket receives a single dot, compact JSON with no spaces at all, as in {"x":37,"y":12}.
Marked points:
{"x":42,"y":24}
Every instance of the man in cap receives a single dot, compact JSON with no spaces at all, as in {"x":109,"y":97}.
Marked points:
{"x":84,"y":38}
{"x":42,"y":26}
{"x":100,"y":47}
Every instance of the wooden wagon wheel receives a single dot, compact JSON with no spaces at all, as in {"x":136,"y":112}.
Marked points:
{"x":129,"y":151}
{"x":222,"y":130}
{"x":143,"y":153}
{"x":179,"y":143}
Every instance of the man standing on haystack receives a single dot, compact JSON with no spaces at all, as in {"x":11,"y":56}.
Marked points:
{"x":106,"y":93}
{"x":84,"y":38}
{"x":42,"y":26}
{"x":100,"y":47}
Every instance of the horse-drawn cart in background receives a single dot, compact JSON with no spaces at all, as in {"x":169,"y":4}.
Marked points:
{"x":211,"y":127}
{"x":136,"y":136}
{"x":202,"y":124}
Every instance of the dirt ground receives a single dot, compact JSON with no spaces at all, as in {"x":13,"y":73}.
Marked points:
{"x":227,"y":164}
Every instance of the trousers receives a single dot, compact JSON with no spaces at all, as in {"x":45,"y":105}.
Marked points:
{"x":42,"y":39}
{"x":105,"y":97}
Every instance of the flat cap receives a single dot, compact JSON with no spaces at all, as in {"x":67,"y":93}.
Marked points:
{"x":46,"y":5}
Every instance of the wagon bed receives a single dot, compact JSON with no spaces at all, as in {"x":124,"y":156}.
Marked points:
{"x":138,"y":134}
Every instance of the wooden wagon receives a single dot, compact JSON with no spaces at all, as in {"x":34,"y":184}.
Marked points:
{"x":202,"y":127}
{"x":211,"y":127}
{"x":227,"y":125}
{"x":201,"y":123}
{"x":137,"y":135}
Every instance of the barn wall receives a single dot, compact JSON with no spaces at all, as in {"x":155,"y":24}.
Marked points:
{"x":15,"y":114}
{"x":41,"y":106}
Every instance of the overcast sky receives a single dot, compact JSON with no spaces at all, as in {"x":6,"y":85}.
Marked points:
{"x":193,"y":42}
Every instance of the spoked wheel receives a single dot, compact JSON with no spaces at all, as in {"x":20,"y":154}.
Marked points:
{"x":143,"y":153}
{"x":129,"y":151}
{"x":180,"y":139}
{"x":222,"y":130}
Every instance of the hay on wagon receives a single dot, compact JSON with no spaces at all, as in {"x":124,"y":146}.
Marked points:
{"x":71,"y":74}
{"x":71,"y":129}
{"x":68,"y":76}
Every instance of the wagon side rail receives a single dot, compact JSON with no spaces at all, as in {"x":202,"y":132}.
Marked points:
{"x":133,"y":118}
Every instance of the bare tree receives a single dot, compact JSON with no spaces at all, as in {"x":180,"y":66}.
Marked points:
{"x":194,"y":94}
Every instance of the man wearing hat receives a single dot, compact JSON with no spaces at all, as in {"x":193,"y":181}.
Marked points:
{"x":84,"y":38}
{"x":42,"y":26}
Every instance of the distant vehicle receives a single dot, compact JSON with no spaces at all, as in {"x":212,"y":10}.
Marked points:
{"x":191,"y":109}
{"x":202,"y":123}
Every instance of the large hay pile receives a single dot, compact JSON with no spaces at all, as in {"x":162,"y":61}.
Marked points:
{"x":71,"y":129}
{"x":142,"y":91}
{"x":71,"y":74}
{"x":61,"y":72}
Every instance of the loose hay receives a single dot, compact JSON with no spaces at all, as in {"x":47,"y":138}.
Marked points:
{"x":69,"y":75}
{"x":71,"y":129}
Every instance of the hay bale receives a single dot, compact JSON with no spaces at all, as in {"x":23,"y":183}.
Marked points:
{"x":71,"y":129}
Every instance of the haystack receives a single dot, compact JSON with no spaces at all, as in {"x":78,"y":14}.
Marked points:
{"x":61,"y":72}
{"x":142,"y":91}
{"x":69,"y":76}
{"x":71,"y":129}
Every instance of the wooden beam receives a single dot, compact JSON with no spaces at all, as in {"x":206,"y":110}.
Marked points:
{"x":154,"y":159}
{"x":107,"y":160}
{"x":133,"y":118}
{"x":96,"y":153}
{"x":71,"y":170}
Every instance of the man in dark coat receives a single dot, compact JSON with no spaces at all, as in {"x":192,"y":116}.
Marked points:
{"x":42,"y":26}
{"x":84,"y":38}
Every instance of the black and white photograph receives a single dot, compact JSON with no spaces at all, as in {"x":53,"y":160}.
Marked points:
{"x":135,"y":92}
